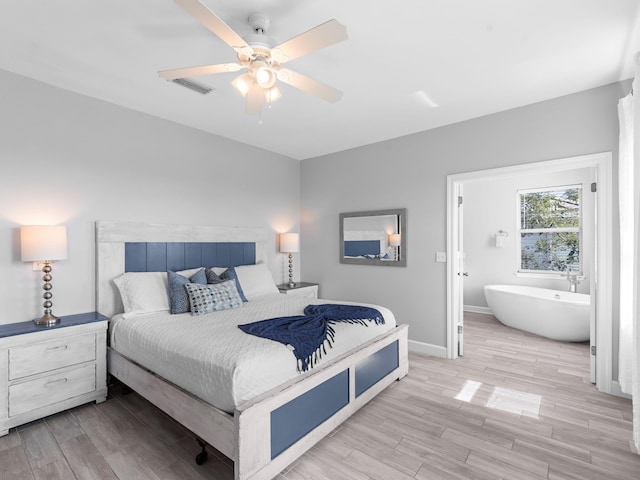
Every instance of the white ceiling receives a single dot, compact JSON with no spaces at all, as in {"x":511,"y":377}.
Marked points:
{"x":470,"y":57}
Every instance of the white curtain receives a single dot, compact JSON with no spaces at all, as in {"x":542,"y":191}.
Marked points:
{"x":629,"y":191}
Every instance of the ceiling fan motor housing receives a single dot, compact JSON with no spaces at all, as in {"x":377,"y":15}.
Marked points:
{"x":259,"y":22}
{"x":259,"y":40}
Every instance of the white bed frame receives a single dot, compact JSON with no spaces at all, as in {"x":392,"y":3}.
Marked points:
{"x":243,"y":436}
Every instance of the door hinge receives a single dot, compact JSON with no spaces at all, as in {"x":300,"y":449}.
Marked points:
{"x":459,"y":328}
{"x":593,"y":349}
{"x":460,"y":200}
{"x":594,"y":187}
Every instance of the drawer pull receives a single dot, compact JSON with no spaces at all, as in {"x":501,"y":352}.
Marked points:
{"x":57,"y":348}
{"x":54,"y":382}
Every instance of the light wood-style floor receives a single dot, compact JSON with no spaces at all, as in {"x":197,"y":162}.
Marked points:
{"x":416,"y":429}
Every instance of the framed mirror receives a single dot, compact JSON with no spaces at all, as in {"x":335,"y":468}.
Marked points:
{"x":378,"y":237}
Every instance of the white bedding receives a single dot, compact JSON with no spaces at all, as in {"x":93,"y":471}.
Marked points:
{"x":212,"y":358}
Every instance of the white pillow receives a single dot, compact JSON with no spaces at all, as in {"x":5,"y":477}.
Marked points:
{"x":190,"y":272}
{"x":143,"y":292}
{"x":255,"y":280}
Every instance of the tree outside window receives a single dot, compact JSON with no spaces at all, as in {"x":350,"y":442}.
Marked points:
{"x":550,"y":229}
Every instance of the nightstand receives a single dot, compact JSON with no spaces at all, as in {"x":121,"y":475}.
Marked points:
{"x":304,"y":289}
{"x":45,"y":370}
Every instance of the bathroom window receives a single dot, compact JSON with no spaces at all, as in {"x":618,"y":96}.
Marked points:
{"x":550,"y":226}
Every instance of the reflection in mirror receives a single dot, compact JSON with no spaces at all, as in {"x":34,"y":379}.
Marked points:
{"x":374,"y":238}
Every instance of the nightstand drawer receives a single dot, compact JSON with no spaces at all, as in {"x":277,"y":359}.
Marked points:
{"x":46,"y":356}
{"x":34,"y":394}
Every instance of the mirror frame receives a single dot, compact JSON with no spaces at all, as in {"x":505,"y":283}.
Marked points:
{"x":402,"y":216}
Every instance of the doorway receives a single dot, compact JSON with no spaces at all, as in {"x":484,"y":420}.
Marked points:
{"x":600,"y":280}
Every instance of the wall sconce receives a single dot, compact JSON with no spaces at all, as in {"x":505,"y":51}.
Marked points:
{"x":44,"y":243}
{"x":290,"y":243}
{"x":394,"y":241}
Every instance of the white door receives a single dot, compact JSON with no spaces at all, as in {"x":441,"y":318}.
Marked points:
{"x":593,"y":285}
{"x":461,"y":271}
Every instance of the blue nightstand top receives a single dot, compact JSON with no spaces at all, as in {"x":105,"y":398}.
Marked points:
{"x":21,"y":328}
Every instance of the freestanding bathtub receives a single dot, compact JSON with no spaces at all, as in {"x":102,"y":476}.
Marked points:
{"x":554,"y":314}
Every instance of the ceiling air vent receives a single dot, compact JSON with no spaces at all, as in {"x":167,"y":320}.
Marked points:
{"x":191,"y":85}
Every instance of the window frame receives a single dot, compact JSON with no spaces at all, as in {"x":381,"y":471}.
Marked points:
{"x":520,"y":272}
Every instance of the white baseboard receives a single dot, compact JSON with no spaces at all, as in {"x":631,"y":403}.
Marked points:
{"x":616,"y":390}
{"x":474,"y":309}
{"x":427,"y":349}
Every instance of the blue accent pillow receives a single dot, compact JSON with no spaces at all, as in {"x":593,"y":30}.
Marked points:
{"x":212,"y":277}
{"x":230,"y":274}
{"x":211,"y":298}
{"x":178,"y":297}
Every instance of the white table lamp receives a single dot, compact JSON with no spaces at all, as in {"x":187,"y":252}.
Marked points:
{"x":44,"y":243}
{"x":290,"y":243}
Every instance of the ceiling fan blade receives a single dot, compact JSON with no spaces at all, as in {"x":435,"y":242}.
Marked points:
{"x":213,"y":23}
{"x":196,"y":71}
{"x":318,"y":37}
{"x":254,"y":97}
{"x":309,"y":85}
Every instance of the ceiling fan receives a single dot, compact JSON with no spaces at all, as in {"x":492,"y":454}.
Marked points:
{"x":262,"y":60}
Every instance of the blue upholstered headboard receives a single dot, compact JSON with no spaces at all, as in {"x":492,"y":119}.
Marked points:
{"x":356,"y":248}
{"x":163,"y":256}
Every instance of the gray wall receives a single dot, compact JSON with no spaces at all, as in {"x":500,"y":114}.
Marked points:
{"x":69,"y":159}
{"x":411,"y":172}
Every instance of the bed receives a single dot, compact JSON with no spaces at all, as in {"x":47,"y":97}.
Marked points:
{"x":261,"y":432}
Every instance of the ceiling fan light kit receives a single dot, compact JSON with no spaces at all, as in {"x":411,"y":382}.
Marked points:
{"x":256,"y":53}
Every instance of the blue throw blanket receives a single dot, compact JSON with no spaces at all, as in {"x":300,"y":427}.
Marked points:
{"x":309,"y":334}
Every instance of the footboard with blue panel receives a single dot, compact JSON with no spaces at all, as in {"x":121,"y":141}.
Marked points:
{"x":293,"y":420}
{"x":306,"y":409}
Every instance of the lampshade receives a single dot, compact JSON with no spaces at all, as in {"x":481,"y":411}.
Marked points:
{"x":394,"y":239}
{"x":43,"y":242}
{"x":265,"y":76}
{"x":289,"y":242}
{"x":243,"y":83}
{"x":272,"y":94}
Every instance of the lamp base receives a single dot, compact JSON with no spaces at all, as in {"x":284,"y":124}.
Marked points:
{"x":291,"y":283}
{"x":47,"y":320}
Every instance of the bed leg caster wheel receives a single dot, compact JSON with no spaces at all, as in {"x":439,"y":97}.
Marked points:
{"x":201,"y":458}
{"x":203,"y":455}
